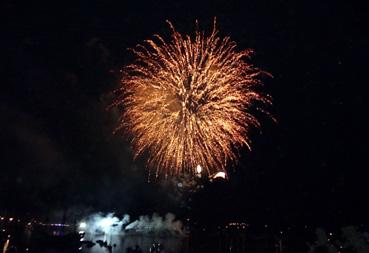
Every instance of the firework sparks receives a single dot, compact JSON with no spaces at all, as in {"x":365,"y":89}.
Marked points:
{"x":187,"y":102}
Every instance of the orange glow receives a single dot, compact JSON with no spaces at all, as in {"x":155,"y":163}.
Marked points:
{"x":220,"y":174}
{"x":187,"y":102}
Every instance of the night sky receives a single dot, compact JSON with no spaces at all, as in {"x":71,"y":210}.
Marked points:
{"x":61,"y":62}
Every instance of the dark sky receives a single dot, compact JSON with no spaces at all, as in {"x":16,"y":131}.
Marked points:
{"x":61,"y":61}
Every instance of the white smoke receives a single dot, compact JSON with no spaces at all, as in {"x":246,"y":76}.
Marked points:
{"x":157,"y":225}
{"x":112,"y":225}
{"x":322,"y":242}
{"x":106,"y":224}
{"x":352,"y":239}
{"x":355,"y":239}
{"x":109,"y":230}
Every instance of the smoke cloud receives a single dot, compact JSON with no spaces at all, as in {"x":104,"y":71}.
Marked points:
{"x":108,"y":230}
{"x":99,"y":223}
{"x":157,"y":225}
{"x":110,"y":224}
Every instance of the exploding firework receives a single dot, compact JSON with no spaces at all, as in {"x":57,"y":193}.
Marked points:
{"x":186,"y":102}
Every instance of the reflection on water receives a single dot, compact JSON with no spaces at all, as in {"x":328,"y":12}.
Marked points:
{"x":144,"y":243}
{"x":233,"y":237}
{"x":120,"y":243}
{"x":56,"y":238}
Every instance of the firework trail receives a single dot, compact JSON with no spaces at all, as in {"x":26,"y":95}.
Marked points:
{"x":187,"y":102}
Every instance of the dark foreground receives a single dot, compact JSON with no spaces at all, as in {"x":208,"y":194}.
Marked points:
{"x":33,"y":236}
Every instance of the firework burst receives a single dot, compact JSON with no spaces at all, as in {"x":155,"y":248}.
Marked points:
{"x":187,"y":102}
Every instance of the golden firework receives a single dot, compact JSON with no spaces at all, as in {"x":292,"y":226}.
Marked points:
{"x":187,"y":102}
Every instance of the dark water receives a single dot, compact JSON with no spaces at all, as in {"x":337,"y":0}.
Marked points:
{"x":201,"y":241}
{"x":16,"y":237}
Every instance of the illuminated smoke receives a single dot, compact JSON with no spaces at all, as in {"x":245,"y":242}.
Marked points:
{"x":112,"y":225}
{"x":109,"y":230}
{"x":157,"y":225}
{"x":107,"y":224}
